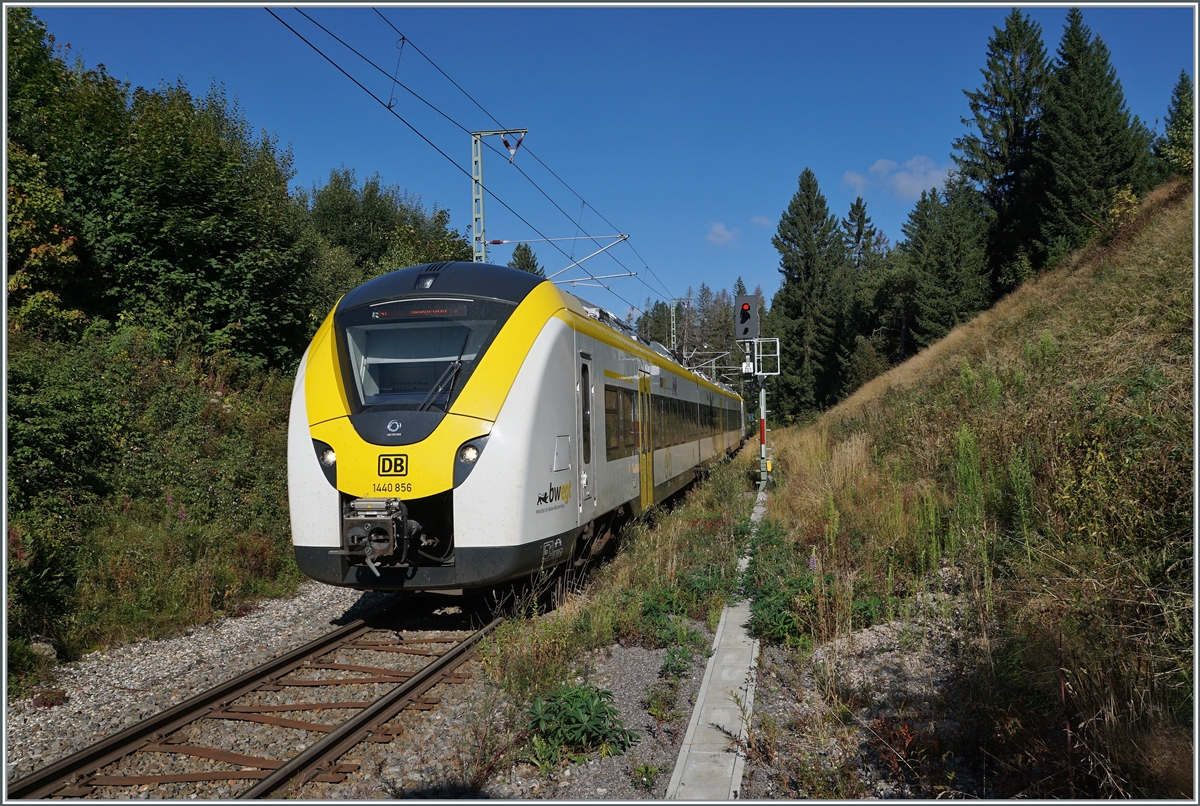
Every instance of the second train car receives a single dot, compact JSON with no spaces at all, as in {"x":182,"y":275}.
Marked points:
{"x":459,"y":425}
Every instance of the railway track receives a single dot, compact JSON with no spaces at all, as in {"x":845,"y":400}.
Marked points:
{"x":298,"y":691}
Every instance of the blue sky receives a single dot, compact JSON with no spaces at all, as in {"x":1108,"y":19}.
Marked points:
{"x":686,"y":128}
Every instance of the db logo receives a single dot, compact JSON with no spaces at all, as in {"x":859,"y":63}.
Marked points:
{"x":393,"y":465}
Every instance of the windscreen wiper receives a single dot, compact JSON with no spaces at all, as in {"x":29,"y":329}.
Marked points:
{"x":450,"y":374}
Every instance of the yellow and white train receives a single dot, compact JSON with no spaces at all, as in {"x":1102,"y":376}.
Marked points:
{"x":459,"y":425}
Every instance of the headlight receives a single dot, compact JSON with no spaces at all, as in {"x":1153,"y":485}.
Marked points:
{"x":326,"y":460}
{"x":467,"y":457}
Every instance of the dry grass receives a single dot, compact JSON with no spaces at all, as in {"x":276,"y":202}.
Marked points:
{"x":683,"y":565}
{"x":1045,"y":451}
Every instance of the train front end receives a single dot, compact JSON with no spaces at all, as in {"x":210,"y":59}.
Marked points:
{"x":393,"y":407}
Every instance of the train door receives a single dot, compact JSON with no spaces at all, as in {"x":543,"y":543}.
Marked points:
{"x":586,"y":398}
{"x":645,"y":441}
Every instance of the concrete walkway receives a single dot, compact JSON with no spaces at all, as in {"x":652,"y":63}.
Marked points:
{"x":710,"y":764}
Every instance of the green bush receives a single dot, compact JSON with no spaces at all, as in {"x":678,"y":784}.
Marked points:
{"x":577,"y":719}
{"x":147,"y":487}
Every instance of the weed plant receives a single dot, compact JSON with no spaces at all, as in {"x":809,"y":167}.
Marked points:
{"x":645,"y":775}
{"x":661,"y":696}
{"x":1042,"y":456}
{"x":573,"y":720}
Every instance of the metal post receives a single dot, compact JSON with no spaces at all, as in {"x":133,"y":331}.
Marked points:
{"x":674,"y":345}
{"x":762,"y":436}
{"x":477,"y":197}
{"x":478,"y":238}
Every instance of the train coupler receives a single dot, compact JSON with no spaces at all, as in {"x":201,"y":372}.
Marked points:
{"x":376,"y":530}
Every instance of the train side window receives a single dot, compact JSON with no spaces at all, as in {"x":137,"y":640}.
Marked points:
{"x":630,"y":415}
{"x":612,"y":424}
{"x":667,"y":422}
{"x":585,"y":396}
{"x":673,"y":418}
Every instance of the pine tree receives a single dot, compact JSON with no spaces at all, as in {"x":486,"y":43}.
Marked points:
{"x":739,"y":288}
{"x":949,"y":260}
{"x":524,"y":259}
{"x":849,"y":303}
{"x":999,"y":157}
{"x":892,"y":289}
{"x":1176,"y":145}
{"x":1089,"y":147}
{"x":802,"y":316}
{"x":918,"y":252}
{"x":858,"y":233}
{"x":654,"y":322}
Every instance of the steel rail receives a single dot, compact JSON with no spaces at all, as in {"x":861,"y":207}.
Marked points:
{"x":53,"y":777}
{"x":369,"y":720}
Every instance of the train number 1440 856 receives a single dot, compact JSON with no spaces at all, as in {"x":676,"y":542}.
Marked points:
{"x":392,"y":487}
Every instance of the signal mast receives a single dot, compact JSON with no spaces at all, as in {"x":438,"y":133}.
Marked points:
{"x":763,"y":355}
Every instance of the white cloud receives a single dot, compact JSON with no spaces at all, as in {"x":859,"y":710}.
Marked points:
{"x":760,"y":221}
{"x":918,"y":174}
{"x":881,"y":169}
{"x":854,"y":180}
{"x":720,"y":235}
{"x":904,"y":181}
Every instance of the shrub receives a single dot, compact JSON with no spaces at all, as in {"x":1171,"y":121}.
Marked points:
{"x":577,"y":719}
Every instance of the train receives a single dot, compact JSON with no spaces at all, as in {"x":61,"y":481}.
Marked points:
{"x":458,"y":426}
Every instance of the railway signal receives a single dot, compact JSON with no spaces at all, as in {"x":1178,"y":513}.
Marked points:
{"x":763,"y":360}
{"x":746,"y":313}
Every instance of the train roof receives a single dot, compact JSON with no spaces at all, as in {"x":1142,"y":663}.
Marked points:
{"x":614,"y":322}
{"x":450,"y":277}
{"x":489,"y":280}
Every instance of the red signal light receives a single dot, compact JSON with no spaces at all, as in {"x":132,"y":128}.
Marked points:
{"x":745,"y":306}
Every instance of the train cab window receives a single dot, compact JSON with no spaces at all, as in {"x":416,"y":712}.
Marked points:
{"x":585,"y":396}
{"x":415,"y":354}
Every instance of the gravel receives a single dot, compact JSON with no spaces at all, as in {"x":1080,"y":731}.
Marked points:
{"x":437,"y":753}
{"x":816,"y":730}
{"x":870,"y":715}
{"x":107,"y":691}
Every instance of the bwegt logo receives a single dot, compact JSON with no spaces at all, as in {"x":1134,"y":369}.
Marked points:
{"x":561,"y":492}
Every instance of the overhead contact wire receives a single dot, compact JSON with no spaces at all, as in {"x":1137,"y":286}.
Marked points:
{"x":448,"y":118}
{"x":535,"y":157}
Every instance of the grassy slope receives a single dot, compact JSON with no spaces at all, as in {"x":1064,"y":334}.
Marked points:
{"x":1044,"y":450}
